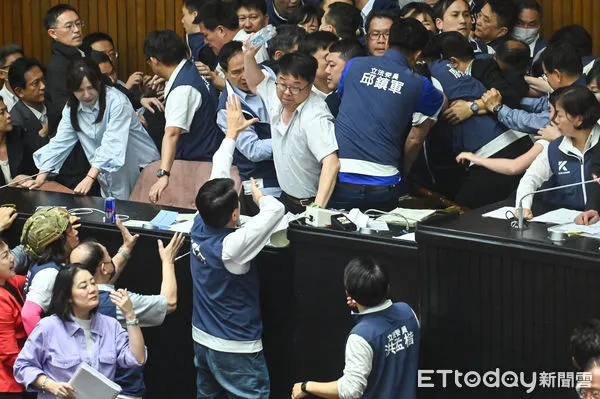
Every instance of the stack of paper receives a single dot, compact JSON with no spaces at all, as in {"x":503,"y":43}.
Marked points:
{"x":404,"y":216}
{"x":89,"y":383}
{"x":557,"y":216}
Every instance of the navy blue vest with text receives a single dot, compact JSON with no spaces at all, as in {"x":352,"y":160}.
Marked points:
{"x":35,"y":269}
{"x":130,"y":380}
{"x":379,"y":96}
{"x":476,"y":131}
{"x":566,"y":169}
{"x":393,"y":334}
{"x":204,"y":137}
{"x":226,"y":305}
{"x":247,"y":169}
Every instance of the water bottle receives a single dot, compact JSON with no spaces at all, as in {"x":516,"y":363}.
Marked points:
{"x":263,"y":36}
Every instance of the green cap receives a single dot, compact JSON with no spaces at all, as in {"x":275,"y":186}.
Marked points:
{"x":43,"y":228}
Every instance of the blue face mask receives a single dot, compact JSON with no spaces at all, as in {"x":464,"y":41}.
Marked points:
{"x":526,"y":35}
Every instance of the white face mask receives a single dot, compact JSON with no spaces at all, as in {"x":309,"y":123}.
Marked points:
{"x":526,"y":35}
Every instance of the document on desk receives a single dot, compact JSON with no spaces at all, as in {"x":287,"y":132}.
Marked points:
{"x":398,"y":215}
{"x":500,"y":213}
{"x":89,"y":383}
{"x":572,"y":228}
{"x":183,"y":223}
{"x":164,"y":219}
{"x":557,"y":216}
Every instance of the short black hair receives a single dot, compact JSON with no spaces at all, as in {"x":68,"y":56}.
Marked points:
{"x":17,"y":71}
{"x":348,"y":49}
{"x":506,"y":12}
{"x":60,"y":304}
{"x":166,"y":46}
{"x":194,"y":5}
{"x":387,"y":14}
{"x":78,"y":70}
{"x":216,"y":13}
{"x":93,"y":256}
{"x":304,"y":14}
{"x":580,"y":101}
{"x":227,"y":51}
{"x":514,"y":54}
{"x":92,"y":38}
{"x":416,"y":8}
{"x":440,"y":8}
{"x":99,"y":57}
{"x":530,"y":5}
{"x":7,"y":51}
{"x":216,"y":200}
{"x":575,"y":35}
{"x":346,"y":19}
{"x":593,"y":74}
{"x":287,"y":37}
{"x":316,"y":41}
{"x":55,"y":12}
{"x":299,"y":65}
{"x":454,"y":44}
{"x":563,"y":57}
{"x":585,"y":342}
{"x":408,"y":35}
{"x":260,"y":5}
{"x":366,"y":282}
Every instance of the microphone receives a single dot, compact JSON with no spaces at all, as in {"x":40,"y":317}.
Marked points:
{"x":26,"y":178}
{"x":595,"y":179}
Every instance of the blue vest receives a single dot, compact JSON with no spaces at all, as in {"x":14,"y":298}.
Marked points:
{"x":477,"y":131}
{"x":204,"y":137}
{"x":130,"y":380}
{"x":247,"y":169}
{"x":394,"y":335}
{"x":379,"y":96}
{"x":566,"y":169}
{"x":35,"y":269}
{"x":226,"y":305}
{"x":479,"y":47}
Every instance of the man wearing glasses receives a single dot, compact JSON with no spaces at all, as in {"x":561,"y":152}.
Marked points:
{"x":378,"y":27}
{"x":303,"y":138}
{"x":66,"y":30}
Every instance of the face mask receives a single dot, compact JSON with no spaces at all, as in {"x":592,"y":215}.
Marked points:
{"x":526,"y":35}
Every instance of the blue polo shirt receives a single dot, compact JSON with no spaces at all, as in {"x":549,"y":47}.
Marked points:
{"x":379,"y":96}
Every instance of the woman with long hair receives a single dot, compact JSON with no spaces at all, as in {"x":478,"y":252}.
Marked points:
{"x":113,"y":138}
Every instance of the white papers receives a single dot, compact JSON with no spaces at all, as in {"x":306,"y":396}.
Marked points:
{"x":398,"y":215}
{"x":91,"y":384}
{"x":183,"y":223}
{"x":499,"y":213}
{"x":572,"y":228}
{"x":557,"y":216}
{"x":364,"y":221}
{"x":406,"y":237}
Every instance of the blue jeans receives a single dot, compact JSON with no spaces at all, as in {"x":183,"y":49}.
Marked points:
{"x":364,"y":197}
{"x":230,"y":375}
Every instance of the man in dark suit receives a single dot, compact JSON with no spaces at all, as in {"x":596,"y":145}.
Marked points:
{"x":17,"y":161}
{"x":65,"y":28}
{"x":27,"y":79}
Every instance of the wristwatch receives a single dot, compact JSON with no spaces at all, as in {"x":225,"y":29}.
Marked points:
{"x":162,"y":172}
{"x":133,"y":322}
{"x":303,"y":386}
{"x":497,"y":108}
{"x":474,"y":108}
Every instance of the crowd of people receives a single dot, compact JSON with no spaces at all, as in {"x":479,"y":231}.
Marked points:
{"x":349,"y":105}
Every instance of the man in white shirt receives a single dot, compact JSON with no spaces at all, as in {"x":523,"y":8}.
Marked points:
{"x":8,"y":54}
{"x":191,"y":132}
{"x":302,"y":130}
{"x":219,"y":23}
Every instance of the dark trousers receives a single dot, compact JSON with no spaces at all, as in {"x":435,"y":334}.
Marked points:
{"x":482,"y":186}
{"x":292,"y":205}
{"x":348,"y":196}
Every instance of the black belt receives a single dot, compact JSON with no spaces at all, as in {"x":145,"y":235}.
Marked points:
{"x":365,"y":187}
{"x":299,"y":201}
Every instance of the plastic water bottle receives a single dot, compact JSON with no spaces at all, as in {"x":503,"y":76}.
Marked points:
{"x":263,"y":36}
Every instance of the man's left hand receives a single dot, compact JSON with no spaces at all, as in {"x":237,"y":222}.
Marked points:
{"x":459,"y":110}
{"x":297,"y":391}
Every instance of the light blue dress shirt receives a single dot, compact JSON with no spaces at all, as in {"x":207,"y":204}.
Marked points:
{"x":118,"y":145}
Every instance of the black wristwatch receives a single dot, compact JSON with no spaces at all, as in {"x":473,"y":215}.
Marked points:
{"x":497,"y":108}
{"x":303,"y":386}
{"x":162,"y":172}
{"x":474,"y":108}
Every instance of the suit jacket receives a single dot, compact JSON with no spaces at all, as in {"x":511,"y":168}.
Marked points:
{"x":12,"y":333}
{"x":593,"y":190}
{"x":20,"y":159}
{"x":489,"y":73}
{"x":22,"y":116}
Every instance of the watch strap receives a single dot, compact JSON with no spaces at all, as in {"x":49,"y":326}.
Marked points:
{"x":133,"y":322}
{"x":303,"y":386}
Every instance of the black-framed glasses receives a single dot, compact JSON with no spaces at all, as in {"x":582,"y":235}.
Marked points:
{"x":293,"y":89}
{"x":71,"y":25}
{"x":377,"y":35}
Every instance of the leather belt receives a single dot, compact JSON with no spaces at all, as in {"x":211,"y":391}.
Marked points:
{"x":299,"y":201}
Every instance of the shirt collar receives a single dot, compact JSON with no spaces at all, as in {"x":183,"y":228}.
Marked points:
{"x":7,"y":93}
{"x":566,"y":145}
{"x":469,"y":68}
{"x":73,"y":327}
{"x":241,"y":94}
{"x":278,"y":15}
{"x":106,"y":287}
{"x":39,"y":115}
{"x":93,"y":108}
{"x":383,"y":306}
{"x":532,"y":45}
{"x":174,"y":76}
{"x":366,"y":10}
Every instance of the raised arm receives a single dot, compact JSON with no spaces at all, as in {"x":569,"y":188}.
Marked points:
{"x":252,"y":71}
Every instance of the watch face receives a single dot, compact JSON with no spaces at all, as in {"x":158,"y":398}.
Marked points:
{"x":474,"y":108}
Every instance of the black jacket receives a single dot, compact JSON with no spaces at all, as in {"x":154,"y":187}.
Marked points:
{"x":487,"y":71}
{"x":20,"y":160}
{"x":22,"y":117}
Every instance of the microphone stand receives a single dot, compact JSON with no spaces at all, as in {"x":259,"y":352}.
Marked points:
{"x":520,"y":208}
{"x":25,"y":178}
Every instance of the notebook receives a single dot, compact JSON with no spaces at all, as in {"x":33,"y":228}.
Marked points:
{"x":89,"y":383}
